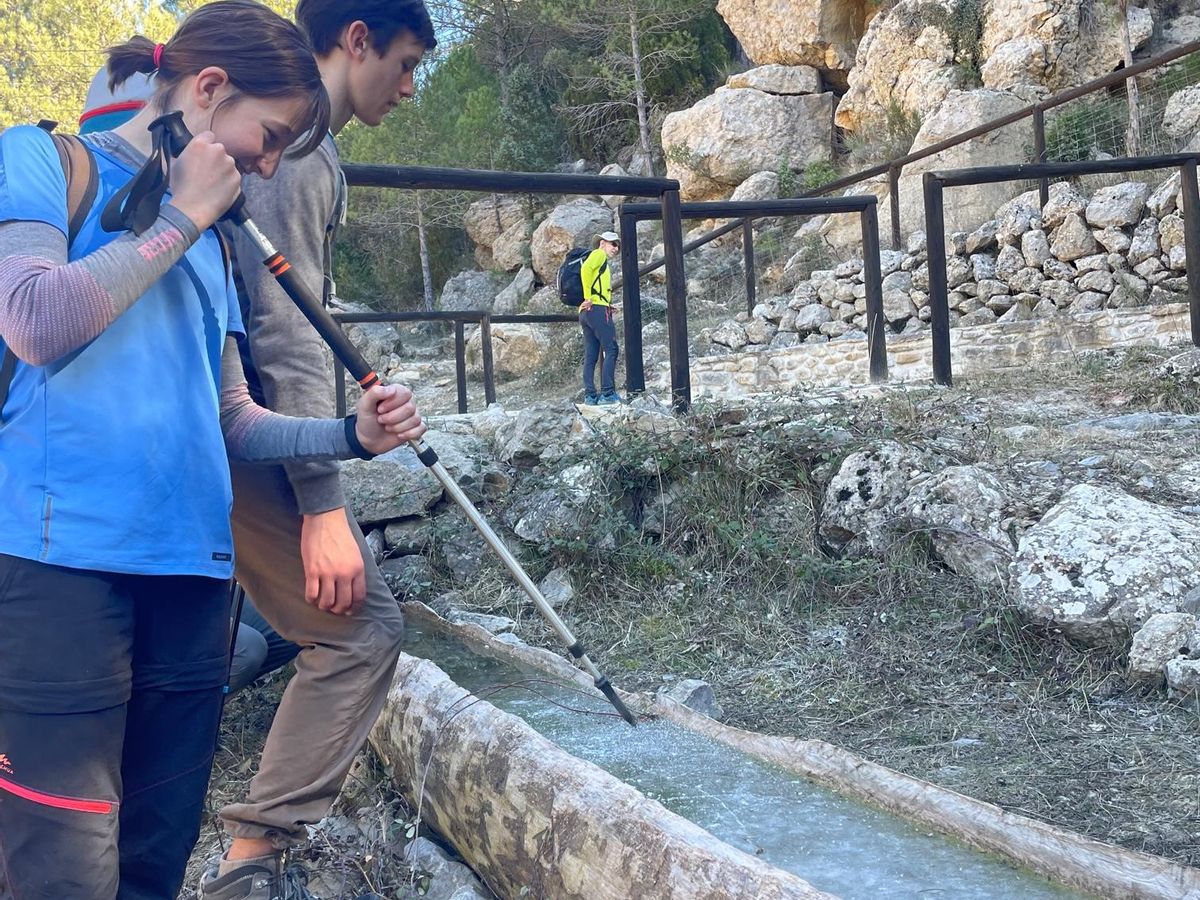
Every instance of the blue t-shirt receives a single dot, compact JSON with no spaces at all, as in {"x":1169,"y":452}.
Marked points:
{"x":112,"y":458}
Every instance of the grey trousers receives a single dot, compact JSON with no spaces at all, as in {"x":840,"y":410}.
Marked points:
{"x":343,"y":671}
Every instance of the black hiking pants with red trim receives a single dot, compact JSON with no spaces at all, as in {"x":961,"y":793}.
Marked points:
{"x":110,"y":699}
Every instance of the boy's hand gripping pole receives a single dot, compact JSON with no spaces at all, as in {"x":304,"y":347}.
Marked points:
{"x":366,"y":377}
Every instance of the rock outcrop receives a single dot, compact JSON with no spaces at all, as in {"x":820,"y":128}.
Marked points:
{"x":570,"y":224}
{"x":717,"y":144}
{"x":1055,"y":44}
{"x":1101,"y":563}
{"x":905,"y":62}
{"x":818,"y":33}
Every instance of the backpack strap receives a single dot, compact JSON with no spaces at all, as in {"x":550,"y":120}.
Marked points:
{"x":79,"y":169}
{"x":594,"y":289}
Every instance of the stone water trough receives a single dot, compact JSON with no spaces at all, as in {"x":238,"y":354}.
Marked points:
{"x":535,"y":821}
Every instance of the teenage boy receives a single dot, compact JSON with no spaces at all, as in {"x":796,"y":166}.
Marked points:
{"x":300,"y":554}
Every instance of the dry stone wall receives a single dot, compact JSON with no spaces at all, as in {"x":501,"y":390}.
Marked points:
{"x":1122,"y":248}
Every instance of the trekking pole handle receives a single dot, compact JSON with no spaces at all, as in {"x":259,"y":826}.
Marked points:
{"x":178,"y":137}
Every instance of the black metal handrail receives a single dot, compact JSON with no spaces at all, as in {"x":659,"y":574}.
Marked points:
{"x":666,"y":189}
{"x":459,"y":318}
{"x":865,"y":205}
{"x":935,"y":229}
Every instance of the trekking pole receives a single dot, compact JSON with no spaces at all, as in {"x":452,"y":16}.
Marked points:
{"x":366,"y":377}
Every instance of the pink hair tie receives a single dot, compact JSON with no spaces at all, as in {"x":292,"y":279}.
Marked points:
{"x":158,"y":49}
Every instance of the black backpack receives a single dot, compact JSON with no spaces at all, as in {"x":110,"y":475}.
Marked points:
{"x":570,"y":281}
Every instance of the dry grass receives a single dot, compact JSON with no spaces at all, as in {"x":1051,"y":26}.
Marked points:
{"x":895,"y":658}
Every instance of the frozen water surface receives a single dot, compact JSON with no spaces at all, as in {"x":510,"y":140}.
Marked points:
{"x":835,"y":844}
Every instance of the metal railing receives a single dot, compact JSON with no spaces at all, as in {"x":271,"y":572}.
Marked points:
{"x":863,"y":204}
{"x":459,"y":319}
{"x":666,"y":190}
{"x":935,"y":231}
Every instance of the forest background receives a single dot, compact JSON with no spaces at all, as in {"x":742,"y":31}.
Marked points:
{"x":519,"y":85}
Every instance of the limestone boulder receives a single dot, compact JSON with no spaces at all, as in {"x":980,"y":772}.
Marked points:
{"x":518,"y":349}
{"x":1164,"y":637}
{"x":905,"y":61}
{"x":860,"y":510}
{"x":1183,"y":679}
{"x":961,"y":508}
{"x":1117,"y":205}
{"x":776,"y":79}
{"x":759,"y":186}
{"x":613,"y":170}
{"x":377,"y":341}
{"x":571,"y":224}
{"x":486,"y":219}
{"x":818,"y":33}
{"x":519,"y":290}
{"x":1055,"y":44}
{"x":540,"y":431}
{"x":1181,"y":118}
{"x":1100,"y":563}
{"x":563,"y":508}
{"x":511,"y":249}
{"x":394,"y":485}
{"x":966,"y":207}
{"x":715,"y":145}
{"x":470,"y":290}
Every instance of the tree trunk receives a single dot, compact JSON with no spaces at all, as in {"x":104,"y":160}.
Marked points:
{"x":1134,"y":131}
{"x":426,"y":275}
{"x":534,"y":821}
{"x":639,"y":85}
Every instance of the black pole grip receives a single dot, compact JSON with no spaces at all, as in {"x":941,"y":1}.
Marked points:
{"x":343,"y":348}
{"x":178,"y":138}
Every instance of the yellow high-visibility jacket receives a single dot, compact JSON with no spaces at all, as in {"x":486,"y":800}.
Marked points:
{"x":597,"y":289}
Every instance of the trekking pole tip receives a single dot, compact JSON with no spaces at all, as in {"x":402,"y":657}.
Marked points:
{"x":606,"y":688}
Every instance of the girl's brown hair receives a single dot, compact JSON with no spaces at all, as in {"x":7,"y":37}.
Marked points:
{"x":263,"y":54}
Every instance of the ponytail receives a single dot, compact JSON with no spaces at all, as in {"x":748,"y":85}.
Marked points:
{"x":263,"y":54}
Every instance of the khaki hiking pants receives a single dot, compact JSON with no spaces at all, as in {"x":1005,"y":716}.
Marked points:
{"x":343,"y":672}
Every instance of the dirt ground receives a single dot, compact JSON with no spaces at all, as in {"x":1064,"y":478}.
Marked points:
{"x":894,"y":658}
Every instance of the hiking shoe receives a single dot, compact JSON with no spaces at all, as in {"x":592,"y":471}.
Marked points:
{"x":591,"y":399}
{"x":608,"y":398}
{"x":256,"y":882}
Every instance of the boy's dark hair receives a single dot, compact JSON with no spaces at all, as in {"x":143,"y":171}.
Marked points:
{"x":263,"y":54}
{"x":324,"y":20}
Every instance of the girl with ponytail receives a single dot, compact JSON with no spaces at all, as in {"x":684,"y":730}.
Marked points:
{"x":126,"y":393}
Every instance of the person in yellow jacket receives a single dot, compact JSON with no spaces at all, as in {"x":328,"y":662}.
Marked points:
{"x":596,"y":320}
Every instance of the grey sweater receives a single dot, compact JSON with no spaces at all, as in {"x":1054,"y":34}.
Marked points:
{"x":286,"y":364}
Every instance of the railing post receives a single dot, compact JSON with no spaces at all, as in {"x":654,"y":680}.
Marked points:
{"x":1191,"y":243}
{"x":939,"y":307}
{"x":677,"y":336}
{"x":489,"y":373}
{"x":460,"y":364}
{"x":894,"y":203}
{"x":876,"y":346}
{"x":339,"y":388}
{"x":1039,"y":151}
{"x":631,"y":292}
{"x":748,"y":263}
